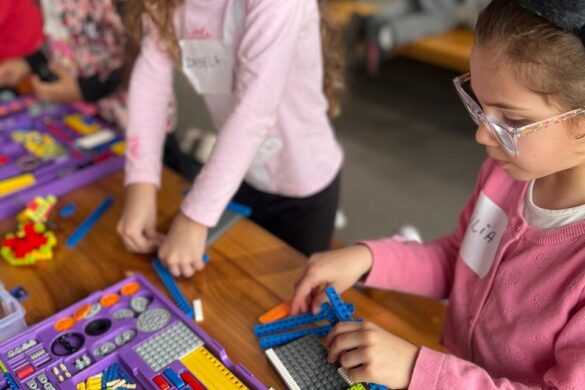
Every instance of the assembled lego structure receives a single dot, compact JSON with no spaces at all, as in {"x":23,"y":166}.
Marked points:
{"x":298,"y":356}
{"x":127,"y":336}
{"x":32,"y":241}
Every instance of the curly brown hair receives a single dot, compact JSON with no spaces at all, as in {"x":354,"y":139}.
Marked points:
{"x":548,"y":60}
{"x":161,"y":13}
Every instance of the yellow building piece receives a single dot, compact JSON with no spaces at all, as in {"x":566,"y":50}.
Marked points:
{"x":81,"y":386}
{"x":17,"y":183}
{"x":77,"y":123}
{"x":2,"y":366}
{"x":119,"y":148}
{"x":210,"y":371}
{"x":357,"y":386}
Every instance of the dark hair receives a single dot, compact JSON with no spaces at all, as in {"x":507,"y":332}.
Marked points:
{"x":161,"y":13}
{"x":548,"y":60}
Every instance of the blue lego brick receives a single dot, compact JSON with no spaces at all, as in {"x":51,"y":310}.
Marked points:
{"x":173,"y":378}
{"x":292,"y":322}
{"x":67,"y":210}
{"x":373,"y":386}
{"x":239,"y":208}
{"x":19,"y":293}
{"x":283,"y":338}
{"x":12,"y":385}
{"x":88,"y":223}
{"x":338,"y":305}
{"x":172,"y":287}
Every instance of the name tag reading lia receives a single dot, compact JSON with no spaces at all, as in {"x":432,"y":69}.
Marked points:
{"x":209,"y":65}
{"x":483,"y":235}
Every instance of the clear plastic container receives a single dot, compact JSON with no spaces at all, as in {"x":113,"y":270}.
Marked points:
{"x":11,"y":315}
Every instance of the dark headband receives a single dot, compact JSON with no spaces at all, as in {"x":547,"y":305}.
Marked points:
{"x":568,"y":15}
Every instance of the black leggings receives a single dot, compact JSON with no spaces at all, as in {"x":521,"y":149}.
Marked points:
{"x":304,"y":223}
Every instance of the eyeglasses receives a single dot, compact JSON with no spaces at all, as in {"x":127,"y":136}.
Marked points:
{"x":506,"y":135}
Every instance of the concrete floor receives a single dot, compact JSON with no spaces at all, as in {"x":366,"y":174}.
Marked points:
{"x":410,"y":150}
{"x":411,"y":157}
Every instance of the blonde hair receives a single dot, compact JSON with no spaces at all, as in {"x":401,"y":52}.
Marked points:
{"x":161,"y":13}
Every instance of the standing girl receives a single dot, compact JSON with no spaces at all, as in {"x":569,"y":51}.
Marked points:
{"x":259,"y":66}
{"x":514,"y":269}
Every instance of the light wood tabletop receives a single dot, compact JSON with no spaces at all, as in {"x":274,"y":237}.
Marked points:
{"x":250,"y":272}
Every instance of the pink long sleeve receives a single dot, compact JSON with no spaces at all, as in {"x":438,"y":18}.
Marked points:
{"x":424,"y":269}
{"x":148,"y":101}
{"x":437,"y":371}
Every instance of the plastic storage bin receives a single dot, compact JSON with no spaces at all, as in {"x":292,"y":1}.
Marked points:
{"x":11,"y":315}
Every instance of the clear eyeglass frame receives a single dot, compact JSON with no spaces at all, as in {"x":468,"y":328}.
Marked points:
{"x":506,"y":135}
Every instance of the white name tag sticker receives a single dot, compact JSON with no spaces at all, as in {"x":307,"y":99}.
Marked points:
{"x":209,"y":65}
{"x":483,"y":235}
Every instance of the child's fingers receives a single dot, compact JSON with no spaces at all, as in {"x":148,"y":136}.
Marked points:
{"x":342,"y":343}
{"x":154,"y":236}
{"x":352,"y":358}
{"x":360,"y":374}
{"x":316,"y":298}
{"x":342,"y":328}
{"x":187,"y":269}
{"x":172,"y":266}
{"x":299,"y":302}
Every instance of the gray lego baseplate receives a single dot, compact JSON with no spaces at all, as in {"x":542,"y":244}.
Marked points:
{"x":302,"y":365}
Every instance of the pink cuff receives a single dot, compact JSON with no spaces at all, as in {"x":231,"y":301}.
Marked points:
{"x":427,"y":370}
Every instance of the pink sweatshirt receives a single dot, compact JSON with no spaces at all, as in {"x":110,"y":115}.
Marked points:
{"x":275,"y":135}
{"x":516,"y":314}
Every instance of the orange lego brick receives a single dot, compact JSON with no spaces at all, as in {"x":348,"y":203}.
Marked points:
{"x":279,"y":312}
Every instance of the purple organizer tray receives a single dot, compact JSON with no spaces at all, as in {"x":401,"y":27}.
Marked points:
{"x":88,"y":336}
{"x":76,"y":168}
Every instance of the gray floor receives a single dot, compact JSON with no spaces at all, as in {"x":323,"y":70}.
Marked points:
{"x":411,"y":157}
{"x":410,"y":152}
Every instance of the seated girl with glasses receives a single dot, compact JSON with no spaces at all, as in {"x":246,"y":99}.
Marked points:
{"x":514,"y":269}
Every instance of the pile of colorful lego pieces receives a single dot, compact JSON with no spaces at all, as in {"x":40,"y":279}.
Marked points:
{"x":112,"y":378}
{"x":32,"y":241}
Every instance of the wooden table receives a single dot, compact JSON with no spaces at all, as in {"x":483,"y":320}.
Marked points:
{"x":250,"y":272}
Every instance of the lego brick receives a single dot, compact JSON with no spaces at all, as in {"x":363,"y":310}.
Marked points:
{"x":198,"y":310}
{"x":210,"y":371}
{"x":67,"y":210}
{"x":275,"y":314}
{"x":372,"y":386}
{"x":338,"y":306}
{"x":173,"y":378}
{"x":172,"y":287}
{"x":283,"y":338}
{"x":191,"y":381}
{"x":302,"y":364}
{"x":24,"y":372}
{"x":291,"y":322}
{"x":88,"y":223}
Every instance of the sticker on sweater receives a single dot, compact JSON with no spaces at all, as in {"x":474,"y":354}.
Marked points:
{"x":483,"y":235}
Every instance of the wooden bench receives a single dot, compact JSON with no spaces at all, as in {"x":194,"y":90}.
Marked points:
{"x":449,"y":50}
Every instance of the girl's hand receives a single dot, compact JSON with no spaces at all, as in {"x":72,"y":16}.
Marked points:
{"x":64,"y":90}
{"x":370,"y":354}
{"x":137,"y":226}
{"x":339,"y":268}
{"x":182,"y":251}
{"x":13,"y":71}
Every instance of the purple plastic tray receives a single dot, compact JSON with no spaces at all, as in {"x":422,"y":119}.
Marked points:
{"x":46,"y":337}
{"x":73,"y":170}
